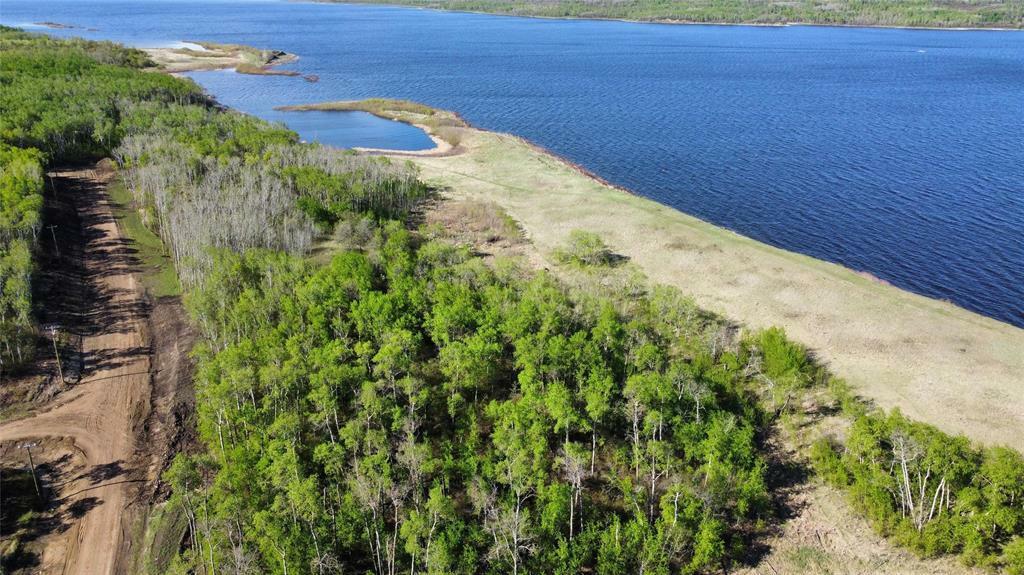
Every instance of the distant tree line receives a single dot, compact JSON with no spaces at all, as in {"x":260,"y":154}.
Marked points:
{"x":911,"y":13}
{"x":59,"y":103}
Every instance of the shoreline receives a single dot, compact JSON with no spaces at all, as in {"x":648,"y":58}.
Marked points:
{"x":675,"y":22}
{"x":444,"y":149}
{"x":441,"y":147}
{"x":208,"y":56}
{"x":937,"y":362}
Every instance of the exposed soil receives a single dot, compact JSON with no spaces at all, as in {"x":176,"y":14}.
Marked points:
{"x":100,"y":444}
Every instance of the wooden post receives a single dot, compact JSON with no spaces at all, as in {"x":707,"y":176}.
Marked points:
{"x":56,"y":352}
{"x":53,"y":234}
{"x":32,"y":466}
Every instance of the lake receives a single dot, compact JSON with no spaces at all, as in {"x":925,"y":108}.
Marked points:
{"x":895,"y":152}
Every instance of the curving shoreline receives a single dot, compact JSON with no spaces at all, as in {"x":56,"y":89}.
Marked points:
{"x":937,"y":362}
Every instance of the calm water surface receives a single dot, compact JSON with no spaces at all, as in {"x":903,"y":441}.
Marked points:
{"x":897,"y":152}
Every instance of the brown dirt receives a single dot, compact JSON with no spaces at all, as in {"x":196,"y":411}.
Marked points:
{"x":482,"y":227}
{"x":88,"y":437}
{"x":825,"y":536}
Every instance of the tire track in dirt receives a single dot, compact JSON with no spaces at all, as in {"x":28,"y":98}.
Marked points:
{"x":104,"y":413}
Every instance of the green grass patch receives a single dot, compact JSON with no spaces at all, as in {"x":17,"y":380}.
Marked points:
{"x":161,"y":541}
{"x":158,"y":274}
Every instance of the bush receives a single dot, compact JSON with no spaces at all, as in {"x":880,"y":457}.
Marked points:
{"x":827,"y":462}
{"x":585,"y":249}
{"x":1013,"y":556}
{"x":929,"y":491}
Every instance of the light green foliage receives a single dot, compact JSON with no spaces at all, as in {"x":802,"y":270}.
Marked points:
{"x":404,"y":407}
{"x":1013,"y":556}
{"x":933,"y":493}
{"x":585,"y":249}
{"x":60,"y":101}
{"x":63,"y":97}
{"x":386,"y":388}
{"x":21,"y":203}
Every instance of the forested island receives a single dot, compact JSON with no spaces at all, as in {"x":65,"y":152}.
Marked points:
{"x":900,"y":13}
{"x":372,"y":396}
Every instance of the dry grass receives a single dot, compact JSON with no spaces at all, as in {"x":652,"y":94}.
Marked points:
{"x":937,"y":362}
{"x":825,"y":537}
{"x":481,"y":226}
{"x":502,"y":190}
{"x":383,"y":107}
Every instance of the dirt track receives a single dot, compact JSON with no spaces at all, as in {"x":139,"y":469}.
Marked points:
{"x":95,"y":423}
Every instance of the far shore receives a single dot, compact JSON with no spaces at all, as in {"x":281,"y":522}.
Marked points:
{"x":937,"y":362}
{"x":675,"y":22}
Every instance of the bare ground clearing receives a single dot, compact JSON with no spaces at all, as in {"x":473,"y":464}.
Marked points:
{"x":87,"y":438}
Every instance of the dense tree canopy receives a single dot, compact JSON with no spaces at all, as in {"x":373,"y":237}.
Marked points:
{"x":411,"y":409}
{"x":21,"y":202}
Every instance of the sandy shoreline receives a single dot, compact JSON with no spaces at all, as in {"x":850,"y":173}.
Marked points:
{"x":191,"y":56}
{"x":938,"y":363}
{"x":441,"y":148}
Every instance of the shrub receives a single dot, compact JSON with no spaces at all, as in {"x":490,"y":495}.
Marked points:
{"x":827,"y":462}
{"x":1013,"y":556}
{"x":585,"y":249}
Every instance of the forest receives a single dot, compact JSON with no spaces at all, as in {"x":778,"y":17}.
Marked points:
{"x":403,"y":405}
{"x":904,"y":13}
{"x":21,"y":203}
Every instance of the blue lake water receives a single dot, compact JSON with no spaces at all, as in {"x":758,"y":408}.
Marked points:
{"x":897,"y":152}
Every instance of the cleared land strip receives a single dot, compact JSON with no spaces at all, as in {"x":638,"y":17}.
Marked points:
{"x":938,"y":363}
{"x":100,"y":416}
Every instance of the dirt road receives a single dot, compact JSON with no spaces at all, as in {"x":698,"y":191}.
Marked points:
{"x":96,"y":422}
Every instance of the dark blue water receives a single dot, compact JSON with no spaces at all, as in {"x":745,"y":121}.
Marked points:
{"x":897,"y":152}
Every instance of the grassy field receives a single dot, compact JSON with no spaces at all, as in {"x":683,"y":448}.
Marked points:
{"x":903,"y":13}
{"x":937,"y":362}
{"x":158,"y":275}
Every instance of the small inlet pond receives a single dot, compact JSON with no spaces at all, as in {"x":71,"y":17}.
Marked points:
{"x":353,"y":130}
{"x":340,"y":129}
